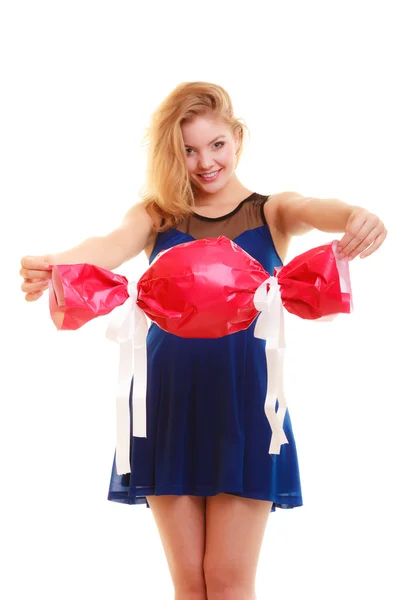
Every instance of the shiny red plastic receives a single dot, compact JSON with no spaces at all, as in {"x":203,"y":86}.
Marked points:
{"x":203,"y":288}
{"x":81,"y":292}
{"x":310,"y":284}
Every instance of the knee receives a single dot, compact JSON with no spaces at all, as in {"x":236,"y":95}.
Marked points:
{"x":189,"y":582}
{"x":227,"y":582}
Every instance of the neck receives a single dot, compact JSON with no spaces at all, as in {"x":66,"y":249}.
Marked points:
{"x":231,"y":194}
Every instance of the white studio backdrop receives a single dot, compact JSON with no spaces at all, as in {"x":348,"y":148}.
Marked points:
{"x":316,"y":84}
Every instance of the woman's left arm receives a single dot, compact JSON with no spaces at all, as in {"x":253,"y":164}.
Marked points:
{"x":363,"y":231}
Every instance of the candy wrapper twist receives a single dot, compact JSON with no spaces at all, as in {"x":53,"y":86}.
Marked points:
{"x":200,"y":289}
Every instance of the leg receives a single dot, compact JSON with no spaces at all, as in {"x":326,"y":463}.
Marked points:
{"x":181,"y":524}
{"x":235,"y":529}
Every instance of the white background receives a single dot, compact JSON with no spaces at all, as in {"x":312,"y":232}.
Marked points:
{"x":317,"y":84}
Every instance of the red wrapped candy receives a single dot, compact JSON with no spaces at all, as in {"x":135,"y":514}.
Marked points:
{"x":205,"y":288}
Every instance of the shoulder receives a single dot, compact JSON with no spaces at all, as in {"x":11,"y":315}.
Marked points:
{"x":275,"y":213}
{"x":275,"y":206}
{"x":142,"y":214}
{"x":139,"y":217}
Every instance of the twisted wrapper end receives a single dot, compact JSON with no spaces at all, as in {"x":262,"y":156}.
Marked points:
{"x":270,"y":327}
{"x":128,"y":327}
{"x":344,"y":274}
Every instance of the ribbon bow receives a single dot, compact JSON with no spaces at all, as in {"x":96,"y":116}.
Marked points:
{"x":270,"y":327}
{"x":128,"y":327}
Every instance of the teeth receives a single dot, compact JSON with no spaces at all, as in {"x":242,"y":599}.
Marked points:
{"x":209,"y":174}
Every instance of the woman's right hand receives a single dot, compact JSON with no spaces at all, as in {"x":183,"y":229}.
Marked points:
{"x":36,"y":273}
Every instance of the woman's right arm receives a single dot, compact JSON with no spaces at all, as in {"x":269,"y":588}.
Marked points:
{"x":108,"y":251}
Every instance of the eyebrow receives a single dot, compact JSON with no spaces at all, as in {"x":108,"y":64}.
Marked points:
{"x":212,"y":141}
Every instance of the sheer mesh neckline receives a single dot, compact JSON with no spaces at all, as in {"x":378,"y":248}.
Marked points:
{"x":233,"y":212}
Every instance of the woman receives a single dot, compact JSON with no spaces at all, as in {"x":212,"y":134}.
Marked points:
{"x":204,"y":467}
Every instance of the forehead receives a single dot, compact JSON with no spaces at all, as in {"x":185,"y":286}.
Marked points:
{"x":202,"y":129}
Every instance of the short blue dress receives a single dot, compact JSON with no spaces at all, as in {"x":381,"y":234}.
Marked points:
{"x":207,"y":432}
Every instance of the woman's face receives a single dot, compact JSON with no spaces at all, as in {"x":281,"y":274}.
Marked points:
{"x":210,"y":148}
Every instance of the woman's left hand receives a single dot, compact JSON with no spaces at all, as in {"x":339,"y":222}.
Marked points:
{"x":363,"y":230}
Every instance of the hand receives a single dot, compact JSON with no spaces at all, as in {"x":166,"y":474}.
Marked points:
{"x":363,"y":230}
{"x":36,"y":273}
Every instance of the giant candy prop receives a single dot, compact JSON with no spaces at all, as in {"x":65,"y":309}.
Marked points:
{"x":200,"y":289}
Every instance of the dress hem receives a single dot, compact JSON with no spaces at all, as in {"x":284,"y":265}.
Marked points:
{"x":122,"y":497}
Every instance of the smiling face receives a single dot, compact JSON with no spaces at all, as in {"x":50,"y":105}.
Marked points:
{"x":210,"y":148}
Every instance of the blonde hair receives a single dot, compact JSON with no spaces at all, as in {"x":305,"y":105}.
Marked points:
{"x":167,"y":192}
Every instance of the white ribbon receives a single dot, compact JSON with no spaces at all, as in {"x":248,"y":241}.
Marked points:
{"x":270,"y":327}
{"x":128,"y":327}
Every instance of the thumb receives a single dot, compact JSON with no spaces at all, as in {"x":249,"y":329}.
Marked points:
{"x":35,"y":262}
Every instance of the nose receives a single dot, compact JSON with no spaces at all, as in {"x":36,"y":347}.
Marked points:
{"x":205,"y":162}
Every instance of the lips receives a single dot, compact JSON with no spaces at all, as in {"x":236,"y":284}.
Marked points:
{"x":209,"y":178}
{"x":209,"y":172}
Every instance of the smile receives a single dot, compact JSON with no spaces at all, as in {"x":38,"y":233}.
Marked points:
{"x":210,"y":176}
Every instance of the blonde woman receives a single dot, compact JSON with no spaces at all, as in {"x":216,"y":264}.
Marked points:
{"x":204,"y":468}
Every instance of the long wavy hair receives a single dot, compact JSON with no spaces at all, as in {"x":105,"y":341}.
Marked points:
{"x":168,"y":193}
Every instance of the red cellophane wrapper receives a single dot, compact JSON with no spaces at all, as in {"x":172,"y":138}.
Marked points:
{"x":206,"y":288}
{"x":203,"y":288}
{"x":81,"y":292}
{"x":311,"y":286}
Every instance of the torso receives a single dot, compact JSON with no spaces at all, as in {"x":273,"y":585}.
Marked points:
{"x":281,"y":241}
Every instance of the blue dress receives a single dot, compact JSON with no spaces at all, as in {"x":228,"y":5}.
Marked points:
{"x":207,"y":431}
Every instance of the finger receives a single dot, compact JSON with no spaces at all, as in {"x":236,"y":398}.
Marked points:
{"x":358,"y":239}
{"x":375,"y":245}
{"x":33,"y":297}
{"x":367,"y":241}
{"x":34,"y":262}
{"x":353,"y":227}
{"x":35,"y":274}
{"x":371,"y":224}
{"x":35,"y":280}
{"x":34,"y":286}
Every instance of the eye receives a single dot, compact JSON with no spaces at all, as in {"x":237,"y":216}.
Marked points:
{"x":223,"y":144}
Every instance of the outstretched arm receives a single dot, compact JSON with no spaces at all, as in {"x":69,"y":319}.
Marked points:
{"x":363,"y":231}
{"x":111,"y":250}
{"x":107,"y":251}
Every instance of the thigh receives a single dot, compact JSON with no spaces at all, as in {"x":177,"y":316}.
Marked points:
{"x":235,"y":528}
{"x":180,"y":521}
